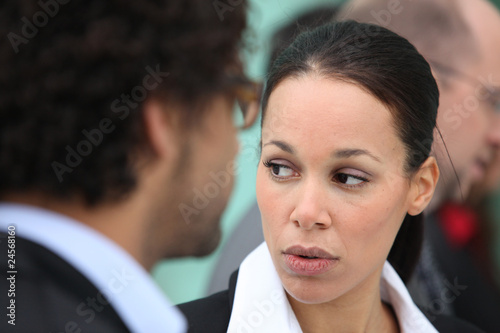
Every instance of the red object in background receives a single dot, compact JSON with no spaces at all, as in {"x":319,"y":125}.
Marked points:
{"x":459,"y":223}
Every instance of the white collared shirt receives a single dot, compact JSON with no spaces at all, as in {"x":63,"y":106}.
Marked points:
{"x":127,"y":286}
{"x":260,"y":303}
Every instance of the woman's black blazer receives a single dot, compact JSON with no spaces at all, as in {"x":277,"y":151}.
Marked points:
{"x":211,"y":314}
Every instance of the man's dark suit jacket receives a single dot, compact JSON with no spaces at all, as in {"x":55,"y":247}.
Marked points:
{"x":211,"y":314}
{"x":477,"y":301}
{"x":50,"y":295}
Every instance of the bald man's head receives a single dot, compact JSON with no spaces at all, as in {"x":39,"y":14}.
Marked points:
{"x":437,"y":28}
{"x":461,"y":41}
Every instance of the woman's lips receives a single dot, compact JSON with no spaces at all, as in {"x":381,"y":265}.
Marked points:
{"x":309,"y":261}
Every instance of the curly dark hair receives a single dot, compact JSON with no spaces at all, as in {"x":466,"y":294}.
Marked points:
{"x":74,"y":74}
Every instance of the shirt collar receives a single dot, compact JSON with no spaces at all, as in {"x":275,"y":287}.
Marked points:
{"x":127,"y":286}
{"x":260,"y":303}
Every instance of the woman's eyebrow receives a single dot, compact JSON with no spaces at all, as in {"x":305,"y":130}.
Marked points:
{"x":346,"y":153}
{"x":341,"y":153}
{"x":282,"y":145}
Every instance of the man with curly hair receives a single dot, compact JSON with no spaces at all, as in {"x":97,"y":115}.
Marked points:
{"x":117,"y":142}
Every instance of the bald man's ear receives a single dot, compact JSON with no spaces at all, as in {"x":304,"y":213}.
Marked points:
{"x":160,"y":127}
{"x":423,"y":185}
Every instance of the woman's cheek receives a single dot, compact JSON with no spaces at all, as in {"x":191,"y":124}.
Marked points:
{"x":264,"y":200}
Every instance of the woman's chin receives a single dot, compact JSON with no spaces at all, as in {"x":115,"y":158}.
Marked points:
{"x":308,"y":296}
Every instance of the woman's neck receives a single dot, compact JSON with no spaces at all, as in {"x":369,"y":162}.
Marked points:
{"x":360,"y":310}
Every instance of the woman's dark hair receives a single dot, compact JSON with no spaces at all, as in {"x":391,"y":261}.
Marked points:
{"x":74,"y":77}
{"x":389,"y":68}
{"x":282,"y":38}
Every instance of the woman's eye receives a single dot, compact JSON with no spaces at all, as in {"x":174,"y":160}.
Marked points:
{"x":281,"y":170}
{"x":346,"y":179}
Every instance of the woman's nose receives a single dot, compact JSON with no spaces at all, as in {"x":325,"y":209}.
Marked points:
{"x":310,"y":209}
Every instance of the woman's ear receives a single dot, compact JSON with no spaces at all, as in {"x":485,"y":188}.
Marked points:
{"x":423,"y":185}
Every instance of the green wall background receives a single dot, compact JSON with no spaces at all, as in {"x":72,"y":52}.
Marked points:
{"x":187,"y":279}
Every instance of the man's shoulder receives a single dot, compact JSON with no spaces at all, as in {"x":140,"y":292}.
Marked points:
{"x":211,"y":314}
{"x":51,"y":295}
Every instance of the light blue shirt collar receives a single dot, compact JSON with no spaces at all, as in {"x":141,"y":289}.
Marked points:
{"x":127,"y":286}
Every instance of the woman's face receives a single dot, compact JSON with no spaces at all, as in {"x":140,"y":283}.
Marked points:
{"x":330,"y":187}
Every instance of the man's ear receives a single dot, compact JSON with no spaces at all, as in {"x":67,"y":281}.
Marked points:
{"x":423,"y":185}
{"x":160,"y":127}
